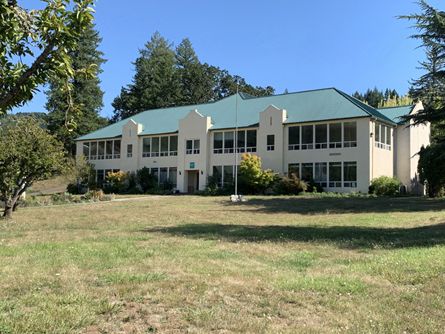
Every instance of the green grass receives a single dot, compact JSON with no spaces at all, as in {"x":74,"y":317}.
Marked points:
{"x":201,"y":264}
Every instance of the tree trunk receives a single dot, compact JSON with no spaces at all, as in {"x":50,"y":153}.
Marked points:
{"x":8,"y":211}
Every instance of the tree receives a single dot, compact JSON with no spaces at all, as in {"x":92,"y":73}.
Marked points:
{"x":86,"y":93}
{"x":28,"y":153}
{"x":155,"y":84}
{"x":430,"y":26}
{"x":35,"y":46}
{"x":166,"y":78}
{"x":253,"y":179}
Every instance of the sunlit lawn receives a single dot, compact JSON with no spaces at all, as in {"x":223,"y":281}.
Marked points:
{"x":201,"y":264}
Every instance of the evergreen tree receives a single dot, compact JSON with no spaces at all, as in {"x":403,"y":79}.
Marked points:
{"x":155,"y":83}
{"x":86,"y":94}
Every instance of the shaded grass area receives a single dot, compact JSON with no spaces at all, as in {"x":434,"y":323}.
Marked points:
{"x":199,"y":265}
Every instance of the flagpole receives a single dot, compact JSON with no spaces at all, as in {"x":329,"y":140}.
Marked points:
{"x":236,"y":139}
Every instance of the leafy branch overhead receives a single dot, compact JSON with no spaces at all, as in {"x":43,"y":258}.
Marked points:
{"x":35,"y":46}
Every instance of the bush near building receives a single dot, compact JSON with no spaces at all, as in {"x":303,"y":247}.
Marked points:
{"x":385,"y":186}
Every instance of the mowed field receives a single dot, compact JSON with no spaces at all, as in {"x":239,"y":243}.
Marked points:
{"x":201,"y":264}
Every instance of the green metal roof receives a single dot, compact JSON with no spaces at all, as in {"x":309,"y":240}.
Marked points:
{"x":307,"y":106}
{"x":396,"y":113}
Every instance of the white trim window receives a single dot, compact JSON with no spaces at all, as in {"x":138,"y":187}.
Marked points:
{"x":321,"y":136}
{"x":335,"y":136}
{"x":335,"y":174}
{"x":321,"y":174}
{"x":383,"y":136}
{"x":129,"y":150}
{"x":192,"y":146}
{"x":293,"y":133}
{"x":270,"y":143}
{"x":307,"y":137}
{"x":350,"y":134}
{"x":350,"y":174}
{"x":224,"y":141}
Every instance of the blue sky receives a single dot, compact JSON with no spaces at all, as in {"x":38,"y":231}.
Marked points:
{"x":299,"y":45}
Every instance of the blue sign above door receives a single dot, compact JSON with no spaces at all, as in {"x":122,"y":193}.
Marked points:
{"x":192,"y":165}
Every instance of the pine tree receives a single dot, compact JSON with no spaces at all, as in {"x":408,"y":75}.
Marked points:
{"x":155,"y":83}
{"x":86,"y":93}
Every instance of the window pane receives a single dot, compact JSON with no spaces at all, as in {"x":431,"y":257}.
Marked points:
{"x":163,"y":175}
{"x":377,"y":132}
{"x":109,"y":148}
{"x":155,"y":173}
{"x":189,"y":144}
{"x":164,"y":145}
{"x":321,"y":172}
{"x":335,"y":174}
{"x":100,"y":176}
{"x":388,"y":135}
{"x":307,"y":172}
{"x":217,"y":173}
{"x":241,"y":140}
{"x":117,"y":149}
{"x":196,"y":144}
{"x":146,"y":147}
{"x":294,"y":169}
{"x":93,"y":150}
{"x":129,"y":150}
{"x":321,"y":133}
{"x":173,"y":143}
{"x":335,"y":135}
{"x":155,"y":146}
{"x":228,"y":140}
{"x":294,"y":135}
{"x":307,"y":137}
{"x":218,"y":140}
{"x":86,"y":149}
{"x":101,"y":150}
{"x":350,"y":171}
{"x":350,"y":131}
{"x":270,"y":140}
{"x":228,"y":175}
{"x":172,"y":175}
{"x":251,"y":139}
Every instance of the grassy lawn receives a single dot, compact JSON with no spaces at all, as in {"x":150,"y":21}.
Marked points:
{"x":200,"y":264}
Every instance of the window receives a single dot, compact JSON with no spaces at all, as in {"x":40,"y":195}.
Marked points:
{"x":294,"y":138}
{"x":117,"y":149}
{"x":129,"y":150}
{"x":172,"y":176}
{"x":335,"y":174}
{"x":218,"y":142}
{"x":192,"y":146}
{"x":217,"y":174}
{"x":173,"y":145}
{"x":382,"y":136}
{"x":241,"y":141}
{"x":321,"y":136}
{"x":307,"y":137}
{"x":86,"y":150}
{"x":93,"y":151}
{"x":350,"y":174}
{"x":321,"y":174}
{"x":163,"y":175}
{"x":270,"y":142}
{"x":350,"y":134}
{"x":293,"y":169}
{"x":335,"y":135}
{"x":146,"y":144}
{"x":100,"y":176}
{"x":154,"y":147}
{"x":228,"y":142}
{"x":307,"y":171}
{"x":155,"y":173}
{"x":101,"y":151}
{"x":109,"y":149}
{"x":228,"y":175}
{"x":251,"y":141}
{"x":164,"y":146}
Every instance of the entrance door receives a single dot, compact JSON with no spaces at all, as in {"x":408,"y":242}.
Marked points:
{"x":193,"y":181}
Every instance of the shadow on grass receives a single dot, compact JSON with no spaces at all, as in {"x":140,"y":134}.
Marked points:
{"x":342,"y":236}
{"x":322,"y":205}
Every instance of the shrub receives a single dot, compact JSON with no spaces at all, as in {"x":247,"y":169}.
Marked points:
{"x":385,"y":186}
{"x":117,"y":181}
{"x":95,"y":195}
{"x":253,"y":179}
{"x":290,"y":185}
{"x":145,"y":179}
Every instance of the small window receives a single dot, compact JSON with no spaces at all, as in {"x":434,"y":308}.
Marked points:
{"x":270,"y":142}
{"x":146,"y":146}
{"x":155,"y":173}
{"x":217,"y":175}
{"x":350,"y":174}
{"x":251,"y":138}
{"x":217,"y":142}
{"x":228,"y":142}
{"x":307,"y":137}
{"x":117,"y":149}
{"x":154,"y":147}
{"x":172,"y":176}
{"x":129,"y":150}
{"x":93,"y":150}
{"x":307,"y":171}
{"x":350,"y":134}
{"x":101,"y":150}
{"x":335,"y":175}
{"x":241,"y":141}
{"x":228,"y":175}
{"x":321,"y":136}
{"x":173,"y":146}
{"x":86,"y":150}
{"x":164,"y":147}
{"x":293,"y":169}
{"x":163,"y":175}
{"x":294,"y":138}
{"x":109,"y":149}
{"x":321,"y":174}
{"x":335,"y":135}
{"x":192,"y":146}
{"x":100,"y":176}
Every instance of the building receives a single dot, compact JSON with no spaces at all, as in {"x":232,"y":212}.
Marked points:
{"x":324,"y":135}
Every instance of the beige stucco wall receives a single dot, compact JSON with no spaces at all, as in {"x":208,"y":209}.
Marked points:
{"x":382,"y":160}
